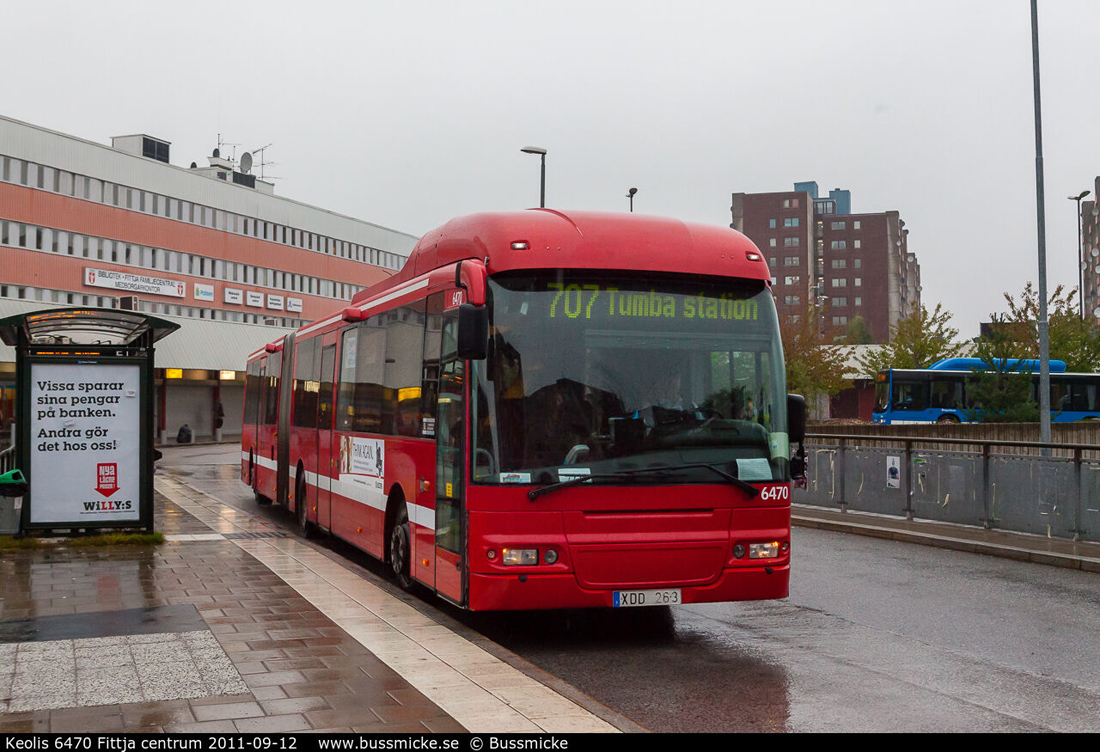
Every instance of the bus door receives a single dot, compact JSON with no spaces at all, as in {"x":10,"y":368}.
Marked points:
{"x":254,"y":417}
{"x":282,"y":423}
{"x":450,"y":527}
{"x":326,"y":461}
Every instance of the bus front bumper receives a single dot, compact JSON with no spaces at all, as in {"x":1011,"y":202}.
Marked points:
{"x":491,"y":592}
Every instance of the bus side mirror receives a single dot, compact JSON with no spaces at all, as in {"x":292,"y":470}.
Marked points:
{"x":473,"y":331}
{"x":796,"y":418}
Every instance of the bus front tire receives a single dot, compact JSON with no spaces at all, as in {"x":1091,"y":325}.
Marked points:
{"x":947,"y":419}
{"x":401,"y":550}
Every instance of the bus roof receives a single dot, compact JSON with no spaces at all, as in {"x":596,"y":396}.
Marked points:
{"x":548,"y":239}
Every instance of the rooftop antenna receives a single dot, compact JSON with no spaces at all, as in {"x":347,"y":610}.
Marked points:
{"x":221,"y":143}
{"x":263,"y":162}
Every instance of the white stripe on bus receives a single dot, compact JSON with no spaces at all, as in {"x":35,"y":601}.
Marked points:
{"x":357,"y":492}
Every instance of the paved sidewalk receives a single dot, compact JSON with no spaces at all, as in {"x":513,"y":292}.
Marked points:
{"x":231,"y":627}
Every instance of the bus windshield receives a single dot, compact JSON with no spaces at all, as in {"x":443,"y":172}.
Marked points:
{"x":596,"y":374}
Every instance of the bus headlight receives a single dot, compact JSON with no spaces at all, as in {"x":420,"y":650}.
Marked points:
{"x":550,"y":557}
{"x":519,"y":557}
{"x":764,"y":550}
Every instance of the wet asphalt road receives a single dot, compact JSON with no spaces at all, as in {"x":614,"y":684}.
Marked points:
{"x":876,"y":636}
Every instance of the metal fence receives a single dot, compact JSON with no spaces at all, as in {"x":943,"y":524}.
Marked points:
{"x":1028,"y":487}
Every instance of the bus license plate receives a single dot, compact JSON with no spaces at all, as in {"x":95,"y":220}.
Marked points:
{"x":627,"y":598}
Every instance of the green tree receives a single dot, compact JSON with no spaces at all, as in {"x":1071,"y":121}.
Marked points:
{"x":857,"y":332}
{"x":815,"y":367}
{"x":1072,"y":339}
{"x":917,"y":341}
{"x":1000,"y":394}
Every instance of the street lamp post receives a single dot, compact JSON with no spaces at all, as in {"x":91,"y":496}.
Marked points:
{"x":542,"y":183}
{"x":1080,"y":255}
{"x":1040,"y":216}
{"x":630,"y":195}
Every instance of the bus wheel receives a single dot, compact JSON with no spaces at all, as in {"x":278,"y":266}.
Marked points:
{"x":400,"y":550}
{"x":947,"y":419}
{"x":305,"y":527}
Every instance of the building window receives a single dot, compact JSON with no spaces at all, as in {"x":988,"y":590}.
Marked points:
{"x":840,"y":302}
{"x":858,"y":301}
{"x":839,"y":226}
{"x":859,"y":282}
{"x":790,"y":222}
{"x":855,"y":244}
{"x":792,"y":300}
{"x":793,"y":280}
{"x":839,"y":282}
{"x":855,"y":224}
{"x":790,"y":242}
{"x":839,"y":263}
{"x":790,"y":261}
{"x":857,"y":262}
{"x":838,"y":245}
{"x":771,"y":224}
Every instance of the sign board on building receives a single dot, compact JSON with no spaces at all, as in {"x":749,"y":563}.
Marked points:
{"x":294,"y":305}
{"x":233,"y":295}
{"x":275,"y":302}
{"x":204,"y":292}
{"x":86,"y":419}
{"x":254,"y":299}
{"x":116,"y":280}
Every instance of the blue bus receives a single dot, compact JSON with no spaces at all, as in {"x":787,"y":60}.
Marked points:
{"x":939,"y":393}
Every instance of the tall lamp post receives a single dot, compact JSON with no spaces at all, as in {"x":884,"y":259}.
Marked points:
{"x":630,"y":195}
{"x":542,"y":183}
{"x":1040,"y":216}
{"x":1080,"y":256}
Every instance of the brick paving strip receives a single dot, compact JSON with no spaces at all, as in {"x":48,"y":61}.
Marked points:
{"x":275,"y":663}
{"x":476,"y":689}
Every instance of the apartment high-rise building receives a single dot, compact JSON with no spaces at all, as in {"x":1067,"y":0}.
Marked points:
{"x":854,"y":264}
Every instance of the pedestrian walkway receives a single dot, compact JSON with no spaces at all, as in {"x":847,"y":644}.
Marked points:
{"x":229,"y":626}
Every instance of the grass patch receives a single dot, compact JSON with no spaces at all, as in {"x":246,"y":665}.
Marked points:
{"x":12,"y":543}
{"x":117,"y":539}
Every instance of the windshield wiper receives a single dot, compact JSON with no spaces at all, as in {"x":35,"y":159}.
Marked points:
{"x":661,"y":472}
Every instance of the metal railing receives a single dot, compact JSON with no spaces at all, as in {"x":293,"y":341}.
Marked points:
{"x":1031,"y":487}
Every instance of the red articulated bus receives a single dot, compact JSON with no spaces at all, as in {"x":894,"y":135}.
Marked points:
{"x":544,"y":410}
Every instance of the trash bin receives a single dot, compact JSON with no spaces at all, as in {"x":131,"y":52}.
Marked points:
{"x":184,"y":435}
{"x":13,"y":487}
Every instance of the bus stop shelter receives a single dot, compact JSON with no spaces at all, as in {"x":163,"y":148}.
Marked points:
{"x":84,"y":425}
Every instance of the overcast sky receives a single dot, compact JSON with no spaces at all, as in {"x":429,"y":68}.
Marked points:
{"x":407,"y":113}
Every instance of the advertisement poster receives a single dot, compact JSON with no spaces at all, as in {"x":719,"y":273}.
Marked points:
{"x":893,"y":472}
{"x":362,"y":464}
{"x":85,"y":443}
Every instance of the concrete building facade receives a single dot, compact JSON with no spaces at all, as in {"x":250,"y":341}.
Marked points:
{"x":818,"y":249}
{"x":119,"y":226}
